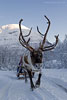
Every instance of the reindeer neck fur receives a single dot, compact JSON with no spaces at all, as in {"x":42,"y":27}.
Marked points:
{"x":27,"y":61}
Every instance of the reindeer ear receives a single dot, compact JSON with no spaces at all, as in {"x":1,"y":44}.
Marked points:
{"x":56,"y":36}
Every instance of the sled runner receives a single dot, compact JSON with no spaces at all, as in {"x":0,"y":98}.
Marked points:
{"x":22,"y":73}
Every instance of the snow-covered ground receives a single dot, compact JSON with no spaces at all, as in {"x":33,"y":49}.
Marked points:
{"x":53,"y":86}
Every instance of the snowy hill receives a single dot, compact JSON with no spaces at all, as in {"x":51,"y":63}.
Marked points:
{"x":9,"y":34}
{"x":53,"y":86}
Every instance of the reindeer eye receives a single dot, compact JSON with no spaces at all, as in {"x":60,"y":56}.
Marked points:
{"x":40,"y":55}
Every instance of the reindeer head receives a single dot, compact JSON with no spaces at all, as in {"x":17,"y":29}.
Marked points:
{"x":36,"y":55}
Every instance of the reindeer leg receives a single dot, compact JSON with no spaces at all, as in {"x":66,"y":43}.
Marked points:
{"x":31,"y":81}
{"x":25,"y":76}
{"x":38,"y":81}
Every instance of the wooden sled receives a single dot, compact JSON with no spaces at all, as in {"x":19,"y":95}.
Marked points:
{"x":23,"y":75}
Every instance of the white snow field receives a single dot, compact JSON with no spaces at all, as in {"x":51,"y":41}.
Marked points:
{"x":53,"y":86}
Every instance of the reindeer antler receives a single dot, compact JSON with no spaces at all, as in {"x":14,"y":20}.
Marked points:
{"x":43,"y":42}
{"x":23,"y":42}
{"x":47,"y":48}
{"x":44,"y":39}
{"x":28,"y":33}
{"x":39,"y":31}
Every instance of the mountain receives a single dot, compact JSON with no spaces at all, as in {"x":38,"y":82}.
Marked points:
{"x":9,"y":35}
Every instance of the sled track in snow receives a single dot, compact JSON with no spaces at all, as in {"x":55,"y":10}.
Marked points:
{"x":62,"y":87}
{"x":56,"y":87}
{"x":59,"y":83}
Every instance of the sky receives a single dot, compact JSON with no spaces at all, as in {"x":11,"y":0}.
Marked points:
{"x":33,"y":11}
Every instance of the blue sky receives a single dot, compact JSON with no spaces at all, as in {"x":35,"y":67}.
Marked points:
{"x":33,"y":11}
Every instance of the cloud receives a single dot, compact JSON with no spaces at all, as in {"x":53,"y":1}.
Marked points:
{"x":54,"y":2}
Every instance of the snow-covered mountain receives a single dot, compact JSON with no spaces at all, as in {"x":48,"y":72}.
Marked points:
{"x":9,"y":35}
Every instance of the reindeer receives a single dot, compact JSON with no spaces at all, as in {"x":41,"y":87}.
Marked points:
{"x":34,"y":59}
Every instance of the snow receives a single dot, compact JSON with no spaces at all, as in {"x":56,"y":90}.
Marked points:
{"x":13,"y":26}
{"x":53,"y":86}
{"x":9,"y":34}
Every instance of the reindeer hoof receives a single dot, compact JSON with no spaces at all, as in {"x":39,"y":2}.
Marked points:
{"x":32,"y":87}
{"x":37,"y":84}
